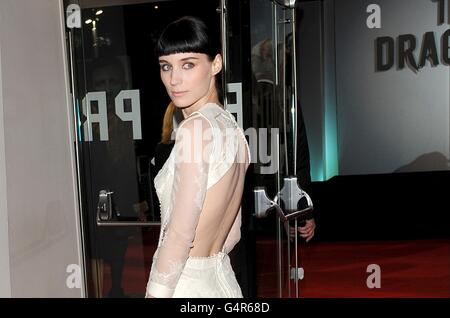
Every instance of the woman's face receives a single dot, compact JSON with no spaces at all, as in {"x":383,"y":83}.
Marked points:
{"x":189,"y":77}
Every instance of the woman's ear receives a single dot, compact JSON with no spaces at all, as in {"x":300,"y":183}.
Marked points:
{"x":217,"y":64}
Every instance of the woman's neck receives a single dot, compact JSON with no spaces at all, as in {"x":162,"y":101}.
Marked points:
{"x":210,"y":98}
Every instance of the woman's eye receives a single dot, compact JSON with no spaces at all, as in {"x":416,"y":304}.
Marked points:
{"x":165,"y":67}
{"x":188,"y":66}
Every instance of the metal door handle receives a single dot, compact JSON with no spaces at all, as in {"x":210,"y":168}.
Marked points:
{"x":290,"y":194}
{"x":104,"y":206}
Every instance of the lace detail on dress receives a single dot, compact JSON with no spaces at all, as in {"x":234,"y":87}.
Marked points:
{"x":165,"y":278}
{"x":182,"y":204}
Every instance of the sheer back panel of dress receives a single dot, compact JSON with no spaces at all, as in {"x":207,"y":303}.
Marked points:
{"x":219,"y":225}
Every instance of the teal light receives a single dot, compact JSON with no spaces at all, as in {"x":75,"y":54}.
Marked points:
{"x":324,"y":159}
{"x":331,"y":159}
{"x":317,"y":173}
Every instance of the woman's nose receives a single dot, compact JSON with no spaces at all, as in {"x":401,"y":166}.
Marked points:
{"x":175,"y":77}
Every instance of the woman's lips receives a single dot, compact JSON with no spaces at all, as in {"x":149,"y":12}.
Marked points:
{"x":178,"y":94}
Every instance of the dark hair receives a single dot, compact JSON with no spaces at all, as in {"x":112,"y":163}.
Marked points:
{"x":187,"y":34}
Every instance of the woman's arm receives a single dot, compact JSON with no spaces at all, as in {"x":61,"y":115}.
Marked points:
{"x":192,"y":152}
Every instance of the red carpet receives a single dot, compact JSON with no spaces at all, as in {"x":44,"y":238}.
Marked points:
{"x":338,"y":269}
{"x":416,"y":268}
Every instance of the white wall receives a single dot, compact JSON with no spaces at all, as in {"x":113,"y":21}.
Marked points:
{"x":5,"y":286}
{"x":396,"y":120}
{"x":38,"y":198}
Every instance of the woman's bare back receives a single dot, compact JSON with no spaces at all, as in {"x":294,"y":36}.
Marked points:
{"x":219,"y":224}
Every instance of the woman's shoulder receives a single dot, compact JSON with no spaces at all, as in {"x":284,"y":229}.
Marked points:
{"x":211,"y":110}
{"x":215,"y":113}
{"x":208,"y":112}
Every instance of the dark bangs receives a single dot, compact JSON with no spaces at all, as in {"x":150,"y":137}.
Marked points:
{"x":188,"y":34}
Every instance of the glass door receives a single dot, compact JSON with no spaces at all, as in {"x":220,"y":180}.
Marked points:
{"x":122,"y":116}
{"x":120,"y":106}
{"x":261,"y":82}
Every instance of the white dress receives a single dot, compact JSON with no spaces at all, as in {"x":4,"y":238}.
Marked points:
{"x":200,"y":188}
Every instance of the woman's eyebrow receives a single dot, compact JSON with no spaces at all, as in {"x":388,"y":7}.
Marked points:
{"x":184,"y":59}
{"x":190,"y":58}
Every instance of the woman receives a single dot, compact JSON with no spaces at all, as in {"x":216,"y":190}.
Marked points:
{"x":200,"y":185}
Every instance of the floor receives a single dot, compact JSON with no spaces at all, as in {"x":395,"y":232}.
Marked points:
{"x":413,"y":268}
